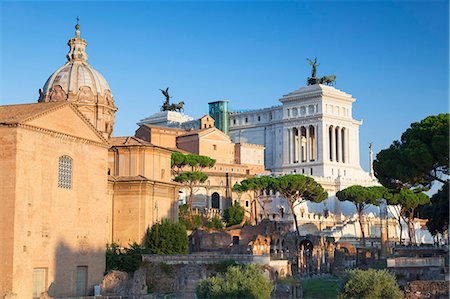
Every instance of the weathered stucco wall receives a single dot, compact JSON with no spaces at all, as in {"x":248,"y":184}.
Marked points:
{"x":7,"y":195}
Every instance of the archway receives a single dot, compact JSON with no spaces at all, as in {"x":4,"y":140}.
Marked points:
{"x":215,"y":200}
{"x":305,"y":256}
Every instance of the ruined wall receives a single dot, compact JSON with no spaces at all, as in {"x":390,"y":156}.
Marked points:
{"x":427,"y":289}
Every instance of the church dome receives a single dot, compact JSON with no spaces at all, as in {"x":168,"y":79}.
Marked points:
{"x":72,"y":77}
{"x":78,"y":82}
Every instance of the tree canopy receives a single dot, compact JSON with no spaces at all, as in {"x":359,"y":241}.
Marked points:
{"x":242,"y":281}
{"x":361,"y":197}
{"x":438,"y":212}
{"x":234,"y":214}
{"x":195,"y":162}
{"x":255,"y":185}
{"x":419,"y":158}
{"x":410,"y":202}
{"x":166,"y":238}
{"x":370,"y":284}
{"x":297,"y":188}
{"x":190,"y":179}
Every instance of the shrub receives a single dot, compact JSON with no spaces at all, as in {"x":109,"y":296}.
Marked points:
{"x":197,"y":221}
{"x":370,"y":284}
{"x":123,"y":259}
{"x":245,"y":281}
{"x":234,"y":214}
{"x":166,"y":238}
{"x":214,"y":222}
{"x":189,"y":220}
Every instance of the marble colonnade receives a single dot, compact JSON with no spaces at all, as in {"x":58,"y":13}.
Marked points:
{"x":302,"y":143}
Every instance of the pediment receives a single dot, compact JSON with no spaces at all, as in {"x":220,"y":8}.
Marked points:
{"x":66,"y":120}
{"x":215,"y":135}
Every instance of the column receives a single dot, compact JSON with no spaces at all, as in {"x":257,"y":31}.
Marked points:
{"x":295,"y":145}
{"x":316,"y":134}
{"x":333,"y":143}
{"x":285,"y":147}
{"x":339,"y":145}
{"x":291,"y":146}
{"x":347,"y":146}
{"x":299,"y":145}
{"x":308,"y":143}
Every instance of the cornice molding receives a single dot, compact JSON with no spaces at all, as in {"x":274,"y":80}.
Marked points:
{"x":60,"y":135}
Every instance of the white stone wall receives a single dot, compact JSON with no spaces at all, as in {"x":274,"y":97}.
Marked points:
{"x":284,"y":131}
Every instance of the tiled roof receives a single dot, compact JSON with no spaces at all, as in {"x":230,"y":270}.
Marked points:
{"x":14,"y":114}
{"x":195,"y":132}
{"x":127,"y":140}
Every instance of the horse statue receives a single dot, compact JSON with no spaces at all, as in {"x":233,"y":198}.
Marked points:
{"x":328,"y":80}
{"x":166,"y":106}
{"x":177,"y":107}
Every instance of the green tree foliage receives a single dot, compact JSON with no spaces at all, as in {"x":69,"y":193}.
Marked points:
{"x":166,"y":238}
{"x":409,"y":202}
{"x":438,"y":212}
{"x":361,"y":197}
{"x":191,"y":180}
{"x":215,"y":222}
{"x":184,"y":217}
{"x":234,"y":214}
{"x":419,"y":158}
{"x":195,"y":162}
{"x":245,"y":281}
{"x":256,"y":185}
{"x":297,"y":188}
{"x":123,"y":259}
{"x":370,"y":284}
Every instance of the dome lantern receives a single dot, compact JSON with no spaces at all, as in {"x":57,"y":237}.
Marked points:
{"x":77,"y":46}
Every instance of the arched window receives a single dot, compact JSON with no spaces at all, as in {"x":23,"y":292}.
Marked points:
{"x":65,"y":172}
{"x":215,"y":200}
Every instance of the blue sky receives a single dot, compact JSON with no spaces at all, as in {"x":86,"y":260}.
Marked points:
{"x":391,"y":55}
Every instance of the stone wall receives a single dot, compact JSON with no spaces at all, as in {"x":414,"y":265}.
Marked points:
{"x":427,"y":289}
{"x":205,"y":258}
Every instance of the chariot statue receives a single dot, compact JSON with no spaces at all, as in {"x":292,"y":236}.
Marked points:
{"x":166,"y":106}
{"x":328,"y":80}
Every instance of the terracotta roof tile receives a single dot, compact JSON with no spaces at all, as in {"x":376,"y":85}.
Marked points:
{"x":14,"y":114}
{"x":127,"y":140}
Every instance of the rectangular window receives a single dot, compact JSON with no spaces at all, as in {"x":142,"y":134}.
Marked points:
{"x":39,"y":282}
{"x":65,"y":172}
{"x":82,"y":272}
